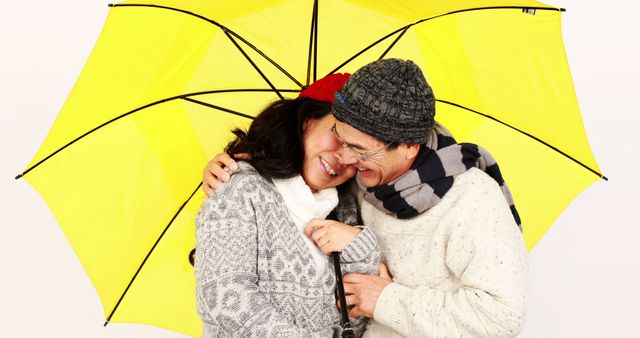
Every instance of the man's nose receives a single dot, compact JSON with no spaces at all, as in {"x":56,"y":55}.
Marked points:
{"x":345,"y":157}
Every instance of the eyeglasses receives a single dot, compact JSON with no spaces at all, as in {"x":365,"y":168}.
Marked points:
{"x":358,"y":154}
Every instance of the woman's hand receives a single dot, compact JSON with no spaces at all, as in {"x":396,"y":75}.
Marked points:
{"x":219,"y":170}
{"x":330,"y":236}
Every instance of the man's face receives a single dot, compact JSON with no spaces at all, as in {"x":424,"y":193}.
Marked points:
{"x":382,"y":167}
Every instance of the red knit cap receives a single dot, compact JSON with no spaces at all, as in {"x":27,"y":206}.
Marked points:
{"x":323,"y":89}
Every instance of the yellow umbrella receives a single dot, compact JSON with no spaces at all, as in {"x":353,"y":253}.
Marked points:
{"x":168,"y":79}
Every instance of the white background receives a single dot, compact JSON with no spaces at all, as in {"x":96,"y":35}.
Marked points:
{"x":584,"y":275}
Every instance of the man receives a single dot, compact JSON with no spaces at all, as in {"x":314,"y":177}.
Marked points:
{"x":447,"y":231}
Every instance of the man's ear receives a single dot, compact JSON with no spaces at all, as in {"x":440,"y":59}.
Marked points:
{"x":412,"y":151}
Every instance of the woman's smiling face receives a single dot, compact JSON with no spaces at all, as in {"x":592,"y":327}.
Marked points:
{"x":321,"y":168}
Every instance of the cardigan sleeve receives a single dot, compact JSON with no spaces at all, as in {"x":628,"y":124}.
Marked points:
{"x":486,"y":253}
{"x":226,"y":268}
{"x":361,"y":255}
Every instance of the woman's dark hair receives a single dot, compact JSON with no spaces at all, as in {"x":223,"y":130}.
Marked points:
{"x":274,"y":139}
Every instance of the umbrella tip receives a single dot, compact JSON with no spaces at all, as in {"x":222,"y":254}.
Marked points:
{"x":605,"y":178}
{"x":18,"y":177}
{"x":563,"y":10}
{"x":110,"y":5}
{"x":105,"y":323}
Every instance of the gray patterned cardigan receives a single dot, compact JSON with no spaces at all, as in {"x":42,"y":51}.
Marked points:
{"x":255,"y":277}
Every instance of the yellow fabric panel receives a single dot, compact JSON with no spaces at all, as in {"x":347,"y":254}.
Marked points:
{"x":123,"y":73}
{"x":213,"y":128}
{"x":342,"y":36}
{"x":282,"y":33}
{"x":514,"y":69}
{"x":163,"y":294}
{"x":543,"y":182}
{"x":145,"y":55}
{"x":114,"y":192}
{"x":414,"y":10}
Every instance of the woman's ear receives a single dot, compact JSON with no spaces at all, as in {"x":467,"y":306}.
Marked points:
{"x":307,"y":123}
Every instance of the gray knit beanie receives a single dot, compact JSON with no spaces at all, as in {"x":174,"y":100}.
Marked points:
{"x":388,"y":99}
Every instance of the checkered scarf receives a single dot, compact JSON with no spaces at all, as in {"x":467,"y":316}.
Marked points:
{"x":431,"y":176}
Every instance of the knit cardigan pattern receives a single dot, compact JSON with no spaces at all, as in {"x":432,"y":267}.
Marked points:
{"x":459,"y":269}
{"x":255,"y":276}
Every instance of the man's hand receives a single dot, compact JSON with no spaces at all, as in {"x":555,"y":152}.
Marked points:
{"x":330,"y":236}
{"x":362,"y":292}
{"x":218,"y":170}
{"x":383,"y":271}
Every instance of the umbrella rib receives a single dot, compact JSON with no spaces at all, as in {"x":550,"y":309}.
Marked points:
{"x":224,"y":29}
{"x":150,"y":252}
{"x":184,"y":96}
{"x":275,"y":64}
{"x":315,"y":47}
{"x":314,"y":20}
{"x":431,"y":18}
{"x":527,"y":134}
{"x":393,"y":43}
{"x":487,"y":8}
{"x":220,"y":91}
{"x":219,"y":108}
{"x":91,"y":131}
{"x":366,"y":49}
{"x":235,"y":43}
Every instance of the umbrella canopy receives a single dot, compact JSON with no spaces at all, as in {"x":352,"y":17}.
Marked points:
{"x":168,"y":79}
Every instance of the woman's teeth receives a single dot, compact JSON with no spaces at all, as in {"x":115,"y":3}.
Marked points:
{"x":327,"y":167}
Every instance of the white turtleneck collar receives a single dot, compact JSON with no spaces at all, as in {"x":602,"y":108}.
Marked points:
{"x":304,"y":205}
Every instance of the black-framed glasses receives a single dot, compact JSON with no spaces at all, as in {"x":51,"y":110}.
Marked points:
{"x":362,"y":156}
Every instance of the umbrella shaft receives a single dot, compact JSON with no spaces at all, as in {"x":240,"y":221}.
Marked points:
{"x":341,"y":296}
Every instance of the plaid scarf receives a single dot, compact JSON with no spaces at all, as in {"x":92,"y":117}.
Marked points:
{"x":431,"y":176}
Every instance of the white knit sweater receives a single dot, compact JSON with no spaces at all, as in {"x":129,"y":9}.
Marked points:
{"x":459,"y":269}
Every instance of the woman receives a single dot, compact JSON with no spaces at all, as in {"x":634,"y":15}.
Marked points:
{"x":257,"y":273}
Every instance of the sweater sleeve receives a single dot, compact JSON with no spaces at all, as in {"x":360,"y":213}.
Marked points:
{"x":226,"y":268}
{"x":486,"y":254}
{"x":361,"y":255}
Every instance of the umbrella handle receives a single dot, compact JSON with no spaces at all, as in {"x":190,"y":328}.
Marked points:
{"x":345,"y":322}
